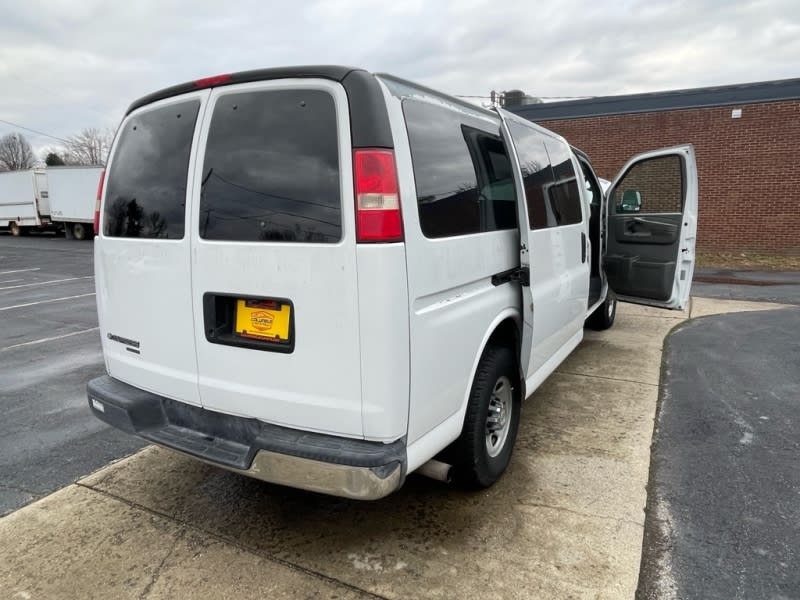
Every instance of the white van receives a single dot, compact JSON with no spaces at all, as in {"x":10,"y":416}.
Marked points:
{"x":327,"y":278}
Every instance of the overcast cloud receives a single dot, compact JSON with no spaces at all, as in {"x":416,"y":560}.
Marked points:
{"x":65,"y":65}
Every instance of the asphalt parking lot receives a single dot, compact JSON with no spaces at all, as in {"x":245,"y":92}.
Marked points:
{"x":761,"y":286}
{"x":49,"y":349}
{"x":723,"y":518}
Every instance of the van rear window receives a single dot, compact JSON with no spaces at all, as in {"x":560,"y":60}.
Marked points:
{"x":271,"y":168}
{"x":146,"y":189}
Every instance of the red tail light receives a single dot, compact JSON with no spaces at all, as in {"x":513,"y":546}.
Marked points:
{"x":208,"y":82}
{"x":378,"y":217}
{"x":97,"y":205}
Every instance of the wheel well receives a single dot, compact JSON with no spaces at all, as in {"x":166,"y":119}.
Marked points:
{"x":507,"y":334}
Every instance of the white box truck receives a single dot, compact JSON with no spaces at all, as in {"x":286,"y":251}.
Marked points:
{"x":73,"y":194}
{"x":24,"y":201}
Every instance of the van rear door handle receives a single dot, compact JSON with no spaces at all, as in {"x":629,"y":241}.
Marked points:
{"x":583,"y":247}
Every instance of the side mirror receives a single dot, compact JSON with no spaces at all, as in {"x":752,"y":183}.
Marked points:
{"x":631,"y":201}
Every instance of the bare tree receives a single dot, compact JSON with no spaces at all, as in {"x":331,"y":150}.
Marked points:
{"x":15,"y":153}
{"x":89,"y":147}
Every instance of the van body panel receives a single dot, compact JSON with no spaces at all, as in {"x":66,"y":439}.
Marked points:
{"x":383,"y":324}
{"x":450,"y":291}
{"x":554,"y":302}
{"x":318,"y":385}
{"x":144,"y":291}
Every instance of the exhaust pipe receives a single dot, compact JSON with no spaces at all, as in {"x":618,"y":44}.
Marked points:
{"x":437,"y":470}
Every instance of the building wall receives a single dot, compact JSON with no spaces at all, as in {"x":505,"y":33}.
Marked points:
{"x":748,"y":167}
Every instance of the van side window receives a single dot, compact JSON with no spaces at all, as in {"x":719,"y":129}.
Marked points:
{"x":462,"y":171}
{"x":537,"y":176}
{"x":146,"y":190}
{"x":564,"y":195}
{"x":651,"y":186}
{"x":271,"y":168}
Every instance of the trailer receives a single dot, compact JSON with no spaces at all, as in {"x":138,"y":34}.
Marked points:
{"x":24,"y":201}
{"x":73,"y":195}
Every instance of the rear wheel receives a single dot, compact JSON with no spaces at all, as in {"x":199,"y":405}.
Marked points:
{"x":604,"y":315}
{"x":80,"y":231}
{"x":482,"y":452}
{"x":16,"y":230}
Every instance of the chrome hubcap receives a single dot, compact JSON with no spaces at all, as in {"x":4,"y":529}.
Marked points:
{"x":498,"y":419}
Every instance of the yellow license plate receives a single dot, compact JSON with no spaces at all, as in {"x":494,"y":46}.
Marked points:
{"x":266,"y":320}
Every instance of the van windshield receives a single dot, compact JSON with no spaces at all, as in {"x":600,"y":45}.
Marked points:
{"x":271,"y":168}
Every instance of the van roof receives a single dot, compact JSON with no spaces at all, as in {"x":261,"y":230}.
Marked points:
{"x":369,"y":121}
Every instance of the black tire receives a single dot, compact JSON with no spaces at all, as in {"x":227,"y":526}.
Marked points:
{"x":80,"y":231}
{"x":474,"y":466}
{"x":603,"y":316}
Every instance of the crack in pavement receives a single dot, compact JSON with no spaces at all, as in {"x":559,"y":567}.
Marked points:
{"x":580,"y":513}
{"x":606,"y":377}
{"x":235,"y":543}
{"x":181,"y":534}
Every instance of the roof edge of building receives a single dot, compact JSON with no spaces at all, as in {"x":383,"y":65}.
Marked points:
{"x":741,"y":94}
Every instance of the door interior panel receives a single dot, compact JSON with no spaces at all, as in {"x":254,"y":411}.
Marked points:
{"x":663,"y":229}
{"x":641,"y":254}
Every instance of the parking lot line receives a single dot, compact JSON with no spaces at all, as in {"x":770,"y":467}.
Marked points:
{"x":46,"y":301}
{"x":14,"y":287}
{"x":20,"y":271}
{"x":12,"y":281}
{"x":49,"y":339}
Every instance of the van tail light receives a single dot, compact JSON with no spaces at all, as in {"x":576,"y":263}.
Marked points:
{"x":214,"y":80}
{"x":97,"y":204}
{"x":378,"y":217}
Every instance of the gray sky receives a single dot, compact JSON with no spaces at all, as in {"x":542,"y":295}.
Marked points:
{"x":65,"y":65}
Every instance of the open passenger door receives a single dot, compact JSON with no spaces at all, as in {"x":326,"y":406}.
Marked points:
{"x":652,"y":228}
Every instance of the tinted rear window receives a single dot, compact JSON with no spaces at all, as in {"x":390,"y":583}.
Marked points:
{"x":146,"y":186}
{"x":537,"y":176}
{"x":564,"y":195}
{"x":271,"y":168}
{"x":461,"y":170}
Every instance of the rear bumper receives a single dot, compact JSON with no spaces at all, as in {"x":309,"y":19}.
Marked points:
{"x":311,"y":461}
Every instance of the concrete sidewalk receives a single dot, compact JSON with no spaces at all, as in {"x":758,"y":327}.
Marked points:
{"x":566,"y":521}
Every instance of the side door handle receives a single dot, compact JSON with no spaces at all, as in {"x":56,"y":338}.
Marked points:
{"x":583,"y":247}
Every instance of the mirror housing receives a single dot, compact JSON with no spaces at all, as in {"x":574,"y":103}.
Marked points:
{"x":631,"y":201}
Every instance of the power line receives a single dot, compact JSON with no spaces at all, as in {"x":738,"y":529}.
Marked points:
{"x":17,"y":125}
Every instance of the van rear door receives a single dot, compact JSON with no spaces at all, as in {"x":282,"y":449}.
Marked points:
{"x":274,"y":281}
{"x":652,"y":227}
{"x":142,"y":255}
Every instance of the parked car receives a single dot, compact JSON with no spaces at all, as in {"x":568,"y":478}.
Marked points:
{"x":328,"y":279}
{"x":24,"y":202}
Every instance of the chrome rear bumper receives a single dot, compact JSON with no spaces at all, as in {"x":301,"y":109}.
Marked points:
{"x":311,"y":461}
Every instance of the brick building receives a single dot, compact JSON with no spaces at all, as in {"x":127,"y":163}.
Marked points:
{"x":746,"y":138}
